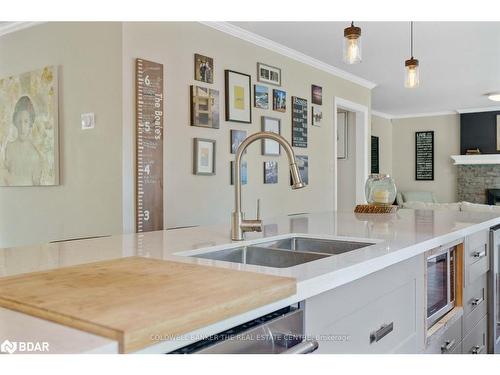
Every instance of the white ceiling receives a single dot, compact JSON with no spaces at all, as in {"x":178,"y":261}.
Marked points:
{"x":459,"y":61}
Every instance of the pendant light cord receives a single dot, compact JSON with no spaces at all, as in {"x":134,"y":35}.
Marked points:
{"x":411,"y":39}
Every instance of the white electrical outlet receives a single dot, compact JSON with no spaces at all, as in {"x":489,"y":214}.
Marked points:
{"x":88,"y":121}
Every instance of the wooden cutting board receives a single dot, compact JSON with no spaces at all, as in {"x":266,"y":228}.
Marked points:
{"x":134,"y":299}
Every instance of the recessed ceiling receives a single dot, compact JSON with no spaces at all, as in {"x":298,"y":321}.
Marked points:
{"x":459,"y":61}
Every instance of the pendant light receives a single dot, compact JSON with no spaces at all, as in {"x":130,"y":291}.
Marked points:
{"x":352,"y":44}
{"x":411,"y":66}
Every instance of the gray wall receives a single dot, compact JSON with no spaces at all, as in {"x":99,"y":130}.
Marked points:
{"x":191,"y":199}
{"x":382,"y":128}
{"x":446,"y":143}
{"x":88,"y":199}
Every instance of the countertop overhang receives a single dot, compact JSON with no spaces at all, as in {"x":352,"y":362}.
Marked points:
{"x":398,"y":237}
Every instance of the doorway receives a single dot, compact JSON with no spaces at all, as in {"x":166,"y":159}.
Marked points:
{"x":351,"y":170}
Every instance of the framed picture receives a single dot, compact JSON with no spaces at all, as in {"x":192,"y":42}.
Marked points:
{"x":204,"y":157}
{"x":342,"y":135}
{"x":203,"y":68}
{"x":498,"y":132}
{"x":299,"y":122}
{"x":244,"y":172}
{"x":375,"y":155}
{"x":316,"y":116}
{"x":279,"y":100}
{"x":316,"y":95}
{"x":238,"y":100}
{"x":270,"y":172}
{"x":303,"y":166}
{"x":424,"y":156}
{"x":29,"y":137}
{"x":268,"y":74}
{"x":270,"y":147}
{"x":261,"y":97}
{"x":237,"y":136}
{"x":204,"y":107}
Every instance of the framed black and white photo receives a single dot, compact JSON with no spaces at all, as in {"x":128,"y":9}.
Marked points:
{"x":316,"y":115}
{"x":204,"y":157}
{"x":424,"y":156}
{"x":238,"y":97}
{"x":270,"y":147}
{"x":204,"y":107}
{"x":268,"y":74}
{"x":270,"y":172}
{"x":342,"y":135}
{"x":237,"y":136}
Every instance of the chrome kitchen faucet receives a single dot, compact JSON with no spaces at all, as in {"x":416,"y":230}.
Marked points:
{"x":239,"y":225}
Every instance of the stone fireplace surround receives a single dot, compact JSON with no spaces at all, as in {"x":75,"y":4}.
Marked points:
{"x":473,"y":181}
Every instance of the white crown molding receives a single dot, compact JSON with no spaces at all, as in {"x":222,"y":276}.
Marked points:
{"x":424,"y":114}
{"x":10,"y":27}
{"x":258,"y":40}
{"x":387,"y":116}
{"x":480,"y":109}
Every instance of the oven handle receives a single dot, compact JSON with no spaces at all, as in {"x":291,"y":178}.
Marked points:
{"x":305,"y":347}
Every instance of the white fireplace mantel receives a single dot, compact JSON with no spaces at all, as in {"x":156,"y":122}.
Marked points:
{"x":476,"y":159}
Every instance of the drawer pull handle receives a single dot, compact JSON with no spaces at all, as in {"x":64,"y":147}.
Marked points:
{"x":381,"y":332}
{"x":448,"y":345}
{"x":477,"y":349}
{"x":477,"y":301}
{"x":479,"y":254}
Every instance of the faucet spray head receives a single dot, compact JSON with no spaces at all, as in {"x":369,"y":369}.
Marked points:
{"x":297,"y":182}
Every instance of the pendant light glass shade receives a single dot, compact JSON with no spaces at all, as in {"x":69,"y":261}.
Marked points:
{"x":352,"y":44}
{"x":412,"y":78}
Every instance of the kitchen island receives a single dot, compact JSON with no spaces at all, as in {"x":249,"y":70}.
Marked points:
{"x":396,"y":239}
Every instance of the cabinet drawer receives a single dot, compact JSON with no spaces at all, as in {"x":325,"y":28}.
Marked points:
{"x":475,"y":303}
{"x":381,"y":326}
{"x":476,"y":256}
{"x":446,"y":341}
{"x":475,"y":342}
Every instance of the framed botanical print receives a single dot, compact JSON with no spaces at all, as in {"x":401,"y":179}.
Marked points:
{"x":203,"y":68}
{"x":270,"y":147}
{"x":238,"y":97}
{"x":204,"y":157}
{"x":268,"y":74}
{"x":204,"y":107}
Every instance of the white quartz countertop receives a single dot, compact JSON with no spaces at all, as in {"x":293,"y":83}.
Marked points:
{"x":396,"y":237}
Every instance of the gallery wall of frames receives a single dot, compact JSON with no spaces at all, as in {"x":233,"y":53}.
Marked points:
{"x":219,"y":89}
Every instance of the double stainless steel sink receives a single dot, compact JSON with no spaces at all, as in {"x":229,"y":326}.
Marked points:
{"x":283,"y":253}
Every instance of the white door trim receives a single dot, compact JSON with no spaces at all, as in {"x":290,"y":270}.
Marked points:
{"x":362,"y":136}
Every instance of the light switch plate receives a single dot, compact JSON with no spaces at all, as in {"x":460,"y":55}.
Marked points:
{"x":88,"y":121}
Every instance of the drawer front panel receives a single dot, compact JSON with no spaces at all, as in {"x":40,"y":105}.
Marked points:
{"x":447,"y":341}
{"x":475,"y":342}
{"x":476,"y":255}
{"x":475,"y":295}
{"x":378,"y":327}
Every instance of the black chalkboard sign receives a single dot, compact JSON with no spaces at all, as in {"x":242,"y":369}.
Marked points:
{"x":375,"y":155}
{"x":299,"y":122}
{"x":424,"y":156}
